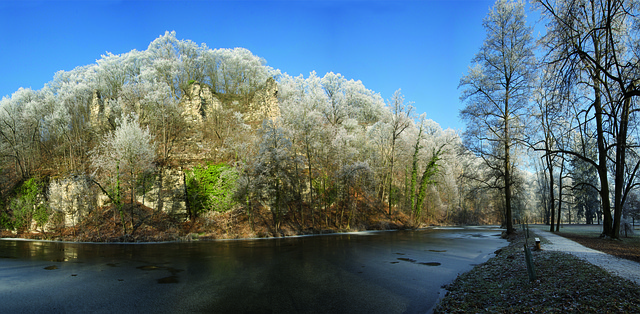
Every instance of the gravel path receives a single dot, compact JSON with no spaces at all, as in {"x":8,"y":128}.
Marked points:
{"x":615,"y":265}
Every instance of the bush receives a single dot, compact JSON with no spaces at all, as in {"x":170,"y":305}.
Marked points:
{"x":210,"y":188}
{"x":41,"y":214}
{"x":26,"y":207}
{"x":21,"y":214}
{"x":6,"y":222}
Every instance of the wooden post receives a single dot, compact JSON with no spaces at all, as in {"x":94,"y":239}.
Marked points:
{"x":537,"y":244}
{"x":530,"y":268}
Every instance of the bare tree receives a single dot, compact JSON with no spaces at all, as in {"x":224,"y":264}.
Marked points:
{"x":496,"y":91}
{"x":401,"y":119}
{"x":593,"y":47}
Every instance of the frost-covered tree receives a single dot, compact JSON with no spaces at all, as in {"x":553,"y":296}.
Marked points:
{"x":305,"y":124}
{"x":114,"y":71}
{"x":121,"y":157}
{"x":401,"y":119}
{"x":356,"y":182}
{"x":327,"y":120}
{"x":241,"y":72}
{"x":347,"y":99}
{"x":496,"y":91}
{"x":159,"y":110}
{"x":593,"y":45}
{"x":20,"y":124}
{"x":74,"y":91}
{"x":273,"y":172}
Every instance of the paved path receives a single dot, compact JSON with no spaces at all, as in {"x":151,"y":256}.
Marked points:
{"x":615,"y":265}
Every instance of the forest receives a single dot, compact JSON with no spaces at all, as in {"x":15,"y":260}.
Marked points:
{"x":551,"y":137}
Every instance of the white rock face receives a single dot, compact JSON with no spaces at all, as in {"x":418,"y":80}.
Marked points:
{"x":167,"y":194}
{"x":74,"y":197}
{"x":199,"y":104}
{"x":264,"y":104}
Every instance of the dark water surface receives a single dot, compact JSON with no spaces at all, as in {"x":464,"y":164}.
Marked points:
{"x":370,"y":272}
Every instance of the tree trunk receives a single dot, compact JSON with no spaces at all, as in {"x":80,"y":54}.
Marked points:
{"x":621,"y":149}
{"x":393,"y":146}
{"x":560,"y":195}
{"x":552,"y":205}
{"x":311,"y":200}
{"x":507,"y":167}
{"x":607,"y":229}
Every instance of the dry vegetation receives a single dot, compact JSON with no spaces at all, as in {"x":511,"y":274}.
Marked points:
{"x":104,"y":225}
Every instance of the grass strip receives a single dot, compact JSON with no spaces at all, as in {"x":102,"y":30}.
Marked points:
{"x":564,"y":284}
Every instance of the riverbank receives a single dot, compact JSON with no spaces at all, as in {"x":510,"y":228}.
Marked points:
{"x":564,"y":283}
{"x":103,"y":225}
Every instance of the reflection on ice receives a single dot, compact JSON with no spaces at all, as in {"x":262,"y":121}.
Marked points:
{"x":364,"y":272}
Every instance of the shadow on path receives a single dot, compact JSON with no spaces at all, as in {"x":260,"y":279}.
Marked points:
{"x":615,"y":265}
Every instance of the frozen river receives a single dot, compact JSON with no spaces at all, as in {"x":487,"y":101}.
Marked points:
{"x":369,"y":272}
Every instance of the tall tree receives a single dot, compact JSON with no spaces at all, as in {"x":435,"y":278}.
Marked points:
{"x":594,"y":47}
{"x":299,"y":99}
{"x":274,"y":175}
{"x":401,"y":115}
{"x":124,"y":153}
{"x":546,"y":117}
{"x":496,"y":91}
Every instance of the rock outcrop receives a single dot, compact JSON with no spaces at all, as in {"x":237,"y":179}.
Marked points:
{"x":168,"y":193}
{"x":103,"y":115}
{"x":201,"y":103}
{"x":264,"y":104}
{"x":73,"y":198}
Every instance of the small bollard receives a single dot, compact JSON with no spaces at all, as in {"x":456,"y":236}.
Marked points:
{"x":537,"y":244}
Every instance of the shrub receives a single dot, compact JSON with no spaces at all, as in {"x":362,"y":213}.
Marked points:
{"x":41,"y":214}
{"x":27,"y":207}
{"x":210,"y":188}
{"x":6,"y":222}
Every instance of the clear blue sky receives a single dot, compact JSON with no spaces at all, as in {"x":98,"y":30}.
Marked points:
{"x":422,"y":47}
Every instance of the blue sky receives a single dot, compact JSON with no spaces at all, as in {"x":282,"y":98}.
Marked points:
{"x":422,"y":47}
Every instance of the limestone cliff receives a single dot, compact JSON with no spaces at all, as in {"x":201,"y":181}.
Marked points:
{"x":201,"y":103}
{"x":167,"y":193}
{"x":264,"y":104}
{"x":72,"y":198}
{"x":103,"y":113}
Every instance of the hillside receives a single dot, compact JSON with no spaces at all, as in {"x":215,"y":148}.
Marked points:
{"x":181,"y":139}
